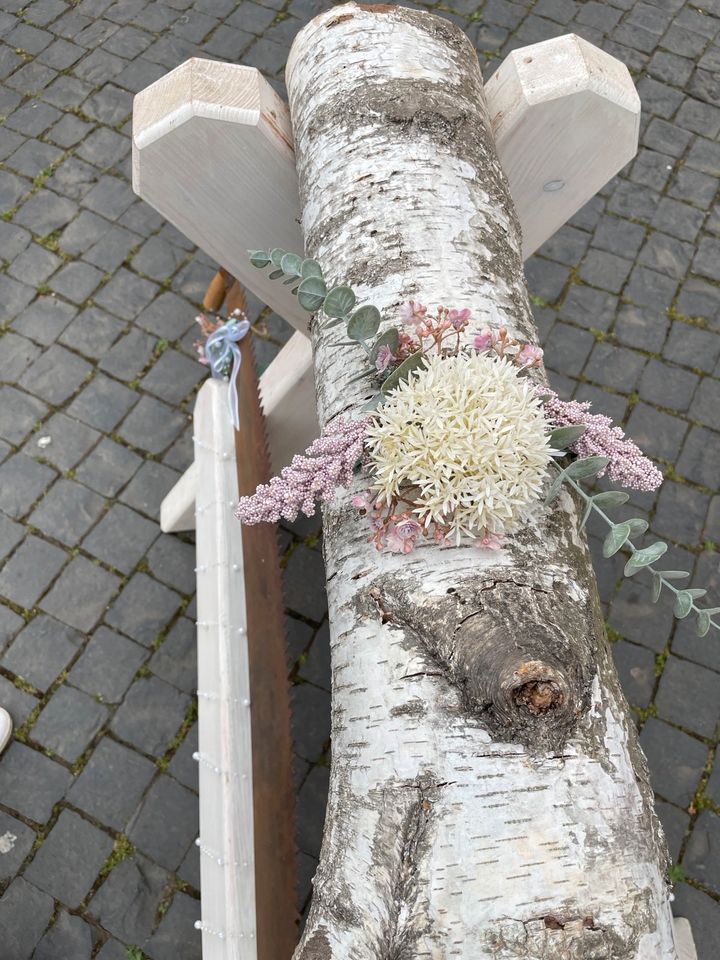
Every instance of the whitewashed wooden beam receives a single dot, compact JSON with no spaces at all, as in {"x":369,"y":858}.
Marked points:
{"x":684,"y":939}
{"x":566,"y":117}
{"x":212,"y":152}
{"x":287,"y":395}
{"x":227,"y":861}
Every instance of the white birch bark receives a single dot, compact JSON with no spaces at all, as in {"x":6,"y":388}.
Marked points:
{"x":488,"y":798}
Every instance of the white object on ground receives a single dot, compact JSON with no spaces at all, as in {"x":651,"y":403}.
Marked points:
{"x":6,"y":728}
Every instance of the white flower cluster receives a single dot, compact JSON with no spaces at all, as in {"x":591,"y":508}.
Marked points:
{"x":465,"y":439}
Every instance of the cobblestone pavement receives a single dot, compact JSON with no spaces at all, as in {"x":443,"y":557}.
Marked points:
{"x":98,"y":806}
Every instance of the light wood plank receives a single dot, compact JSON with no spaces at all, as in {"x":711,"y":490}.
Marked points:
{"x":566,"y":118}
{"x":684,"y":939}
{"x":177,"y":511}
{"x":287,"y":394}
{"x":227,"y":867}
{"x":212,"y":152}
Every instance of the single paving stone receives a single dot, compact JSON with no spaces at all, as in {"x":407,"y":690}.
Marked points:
{"x":652,"y":169}
{"x":85,"y":230}
{"x":41,"y":651}
{"x":316,"y":667}
{"x":81,"y":594}
{"x":22,"y":481}
{"x":73,"y":178}
{"x":169,"y":317}
{"x":103,"y":403}
{"x":128,"y":356}
{"x":17,"y":355}
{"x":689,"y":695}
{"x":21,"y":766}
{"x":151,"y":715}
{"x":152,"y":425}
{"x":657,"y":434}
{"x":638,"y":619}
{"x":67,"y":91}
{"x":45,"y":319}
{"x":127,"y":901}
{"x":707,"y":258}
{"x":30,"y":570}
{"x":173,"y":377}
{"x":698,"y":298}
{"x":45,"y":212}
{"x":16,"y":839}
{"x":704,"y":915}
{"x":143,"y":609}
{"x":693,"y":347}
{"x":173,"y":562}
{"x":68,"y":937}
{"x":25,"y":912}
{"x":570,"y":346}
{"x":148,"y":488}
{"x":110,"y":197}
{"x":182,"y":766}
{"x":112,"y":248}
{"x":110,"y":105}
{"x":18,"y":704}
{"x":33,"y":157}
{"x":70,"y":859}
{"x":705,"y":156}
{"x":675,"y":823}
{"x":14,"y":297}
{"x":680,"y":513}
{"x":176,"y":937}
{"x":55,"y":375}
{"x":10,"y":622}
{"x":694,"y":187}
{"x":34,"y":265}
{"x":108,"y":468}
{"x":641,"y":327}
{"x":19,"y":413}
{"x":121,"y":538}
{"x":605,"y":270}
{"x":304,"y":584}
{"x":126,"y":294}
{"x":311,"y":805}
{"x":310,"y":721}
{"x":96,"y":789}
{"x":176,"y":659}
{"x":677,"y":218}
{"x":107,"y":665}
{"x":76,"y":281}
{"x":676,"y":761}
{"x":10,"y":535}
{"x":189,"y":869}
{"x":70,"y":441}
{"x":69,"y":722}
{"x":699,"y":860}
{"x":157,"y":259}
{"x":667,"y":385}
{"x":60,"y":54}
{"x":166,"y":824}
{"x":13,"y":240}
{"x":112,"y":950}
{"x":615,"y":367}
{"x":700,"y":458}
{"x":92,"y":333}
{"x":103,"y":147}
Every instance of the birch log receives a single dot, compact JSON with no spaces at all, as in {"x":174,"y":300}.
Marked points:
{"x":488,"y":798}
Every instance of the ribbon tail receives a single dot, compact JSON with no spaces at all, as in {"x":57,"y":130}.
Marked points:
{"x":232,"y":388}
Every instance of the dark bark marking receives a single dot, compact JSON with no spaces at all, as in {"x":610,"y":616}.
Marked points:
{"x":317,"y":947}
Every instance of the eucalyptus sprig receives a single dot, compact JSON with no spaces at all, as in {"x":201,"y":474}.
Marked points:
{"x":619,"y":534}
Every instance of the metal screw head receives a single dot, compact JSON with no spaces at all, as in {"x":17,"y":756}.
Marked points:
{"x":552,"y":186}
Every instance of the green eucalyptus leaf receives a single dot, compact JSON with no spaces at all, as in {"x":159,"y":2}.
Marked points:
{"x":259,"y":258}
{"x":646,"y":556}
{"x":401,"y":372}
{"x":311,"y":268}
{"x":615,"y":539}
{"x":276,"y":274}
{"x":637,"y":526}
{"x":587,"y":467}
{"x":611,"y":498}
{"x":657,"y":583}
{"x":364,"y":323}
{"x":563,"y":437}
{"x":311,"y":294}
{"x":276,"y":256}
{"x":291,"y":264}
{"x":674,"y":574}
{"x":555,"y":488}
{"x":391,"y":338}
{"x":374,"y":402}
{"x":586,"y":514}
{"x":695,"y":593}
{"x":339,"y":302}
{"x":702,"y":624}
{"x":683,"y":604}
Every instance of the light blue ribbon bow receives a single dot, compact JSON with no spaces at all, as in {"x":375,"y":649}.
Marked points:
{"x":221,"y":348}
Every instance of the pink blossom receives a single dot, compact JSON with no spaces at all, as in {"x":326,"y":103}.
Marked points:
{"x":484,"y":340}
{"x":412,"y":312}
{"x":529,"y":356}
{"x":459,"y":318}
{"x":402,"y":536}
{"x":628,"y":467}
{"x":384,"y":358}
{"x":361,"y":501}
{"x":490,"y":541}
{"x":327,"y":464}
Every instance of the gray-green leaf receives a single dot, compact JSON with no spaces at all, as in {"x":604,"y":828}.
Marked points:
{"x":401,"y":372}
{"x":674,"y":574}
{"x":563,"y":437}
{"x":683,"y":604}
{"x":587,"y":467}
{"x":611,"y":498}
{"x":374,"y":402}
{"x":637,"y":526}
{"x":311,"y":294}
{"x":291,"y":264}
{"x":259,"y":258}
{"x":657,"y":583}
{"x":339,"y":302}
{"x":276,"y":274}
{"x":695,"y":593}
{"x":311,"y":268}
{"x":702,"y":624}
{"x":615,"y":539}
{"x":276,"y":256}
{"x":364,"y":323}
{"x":646,"y":556}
